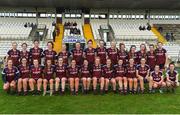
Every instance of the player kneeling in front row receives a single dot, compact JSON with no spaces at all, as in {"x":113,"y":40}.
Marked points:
{"x":108,"y":72}
{"x":97,"y":76}
{"x":36,"y":77}
{"x":48,"y":77}
{"x":60,"y":76}
{"x":10,"y":76}
{"x":24,"y":71}
{"x":73,"y":74}
{"x":132,"y":78}
{"x":172,"y":77}
{"x":142,"y":73}
{"x":85,"y":77}
{"x":157,"y":79}
{"x":120,"y":73}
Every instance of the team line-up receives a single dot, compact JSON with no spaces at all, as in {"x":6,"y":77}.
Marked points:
{"x":125,"y":71}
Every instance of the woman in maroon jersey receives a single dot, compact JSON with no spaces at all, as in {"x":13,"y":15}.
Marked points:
{"x":120,"y":74}
{"x":142,"y":72}
{"x":113,"y":53}
{"x":97,"y":75}
{"x":157,"y":79}
{"x":73,"y":75}
{"x":132,"y":54}
{"x":61,"y":75}
{"x":151,"y":57}
{"x":161,"y":56}
{"x":24,"y":75}
{"x":49,"y":53}
{"x":172,"y":77}
{"x":36,"y":76}
{"x":122,"y":53}
{"x":108,"y":72}
{"x":89,"y":53}
{"x":77,"y":53}
{"x":101,"y":52}
{"x":14,"y":54}
{"x":85,"y":77}
{"x":131,"y":75}
{"x":64,"y":54}
{"x":24,"y":52}
{"x":48,"y":76}
{"x":36,"y":53}
{"x":10,"y":75}
{"x":141,"y":53}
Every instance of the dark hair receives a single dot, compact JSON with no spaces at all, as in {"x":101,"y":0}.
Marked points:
{"x":151,"y":45}
{"x":172,"y":63}
{"x":132,"y":47}
{"x":24,"y":44}
{"x":89,"y":41}
{"x":51,"y":43}
{"x":36,"y":41}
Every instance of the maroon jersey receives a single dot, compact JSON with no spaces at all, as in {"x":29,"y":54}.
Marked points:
{"x":85,"y":72}
{"x":15,"y":55}
{"x":65,"y":56}
{"x":131,"y":72}
{"x":97,"y":71}
{"x":78,"y":56}
{"x":120,"y":71}
{"x":123,"y":55}
{"x":156,"y":76}
{"x":49,"y":72}
{"x":90,"y":55}
{"x":36,"y":54}
{"x":108,"y":72}
{"x":49,"y":55}
{"x":160,"y":56}
{"x":172,"y":75}
{"x":143,"y":71}
{"x":140,"y":55}
{"x":112,"y":54}
{"x":61,"y":71}
{"x":73,"y":72}
{"x":101,"y":53}
{"x":24,"y":71}
{"x":36,"y":73}
{"x":24,"y":54}
{"x":151,"y":59}
{"x":134,"y":56}
{"x":10,"y":74}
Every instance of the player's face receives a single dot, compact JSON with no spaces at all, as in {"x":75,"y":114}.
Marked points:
{"x":78,"y":46}
{"x":101,"y":43}
{"x":9,"y":63}
{"x":36,"y":44}
{"x":171,"y":67}
{"x":64,"y":47}
{"x":85,"y":62}
{"x":24,"y":61}
{"x":156,"y":68}
{"x":35,"y":62}
{"x":131,"y":61}
{"x":113,"y":44}
{"x":108,"y":62}
{"x":159,"y":45}
{"x":97,"y":61}
{"x":73,"y":63}
{"x":122,"y":47}
{"x":133,"y":49}
{"x":60,"y":61}
{"x":142,"y":47}
{"x":120,"y":62}
{"x":143,"y":61}
{"x":24,"y":47}
{"x":151,"y":48}
{"x":49,"y":62}
{"x":49,"y":45}
{"x":89,"y":44}
{"x":14,"y":46}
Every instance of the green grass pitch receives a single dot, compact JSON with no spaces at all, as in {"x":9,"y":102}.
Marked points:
{"x":166,"y":103}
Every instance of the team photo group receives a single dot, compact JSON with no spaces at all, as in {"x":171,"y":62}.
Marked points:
{"x":90,"y":70}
